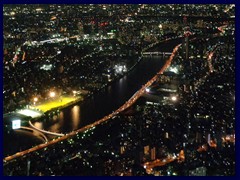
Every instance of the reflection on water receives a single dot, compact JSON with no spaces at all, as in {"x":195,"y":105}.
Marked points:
{"x":61,"y":116}
{"x":55,"y":117}
{"x":58,"y":123}
{"x":75,"y":117}
{"x":55,"y":127}
{"x":108,"y":100}
{"x":38,"y":125}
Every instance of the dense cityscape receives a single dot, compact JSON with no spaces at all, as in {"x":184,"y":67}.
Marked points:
{"x":119,"y":90}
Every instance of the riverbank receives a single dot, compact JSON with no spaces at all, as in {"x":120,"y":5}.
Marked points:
{"x":106,"y":117}
{"x":130,"y":86}
{"x":57,"y":104}
{"x":119,"y":77}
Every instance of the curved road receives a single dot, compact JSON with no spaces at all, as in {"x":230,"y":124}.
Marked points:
{"x":104,"y":119}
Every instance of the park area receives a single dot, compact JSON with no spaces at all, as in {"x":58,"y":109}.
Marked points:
{"x":55,"y":103}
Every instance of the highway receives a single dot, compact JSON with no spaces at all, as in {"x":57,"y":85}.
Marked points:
{"x":162,"y":162}
{"x":43,"y":131}
{"x":126,"y":105}
{"x":32,"y":130}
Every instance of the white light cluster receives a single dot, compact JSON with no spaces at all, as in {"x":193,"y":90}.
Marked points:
{"x":16,"y":124}
{"x":173,"y":69}
{"x":120,"y":69}
{"x":46,"y":67}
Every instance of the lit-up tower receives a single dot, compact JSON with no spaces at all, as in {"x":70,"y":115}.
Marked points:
{"x":186,"y":43}
{"x":188,"y":67}
{"x":187,"y":33}
{"x":185,"y":49}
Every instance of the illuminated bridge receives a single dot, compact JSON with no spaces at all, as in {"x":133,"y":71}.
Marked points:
{"x":157,"y":53}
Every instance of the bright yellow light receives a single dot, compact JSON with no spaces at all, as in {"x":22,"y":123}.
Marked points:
{"x":52,"y":94}
{"x":54,"y":103}
{"x":35,"y":99}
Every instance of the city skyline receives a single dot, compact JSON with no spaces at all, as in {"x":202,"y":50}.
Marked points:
{"x":119,"y":90}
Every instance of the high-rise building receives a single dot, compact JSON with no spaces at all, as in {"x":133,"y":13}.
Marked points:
{"x":153,"y":153}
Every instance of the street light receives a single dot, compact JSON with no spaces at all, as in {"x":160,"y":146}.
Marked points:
{"x":74,"y":93}
{"x":174,"y":98}
{"x":12,"y":13}
{"x":147,"y":90}
{"x":52,"y":94}
{"x":35,"y":99}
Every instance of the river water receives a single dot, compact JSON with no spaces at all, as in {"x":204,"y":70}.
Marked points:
{"x":105,"y":101}
{"x":100,"y":104}
{"x":109,"y":99}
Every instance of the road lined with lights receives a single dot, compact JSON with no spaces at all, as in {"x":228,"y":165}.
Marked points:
{"x":209,"y":58}
{"x":44,"y":131}
{"x":32,"y":130}
{"x":130,"y":102}
{"x":162,"y":162}
{"x":127,"y":104}
{"x":158,"y":162}
{"x":231,"y":138}
{"x":210,"y":66}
